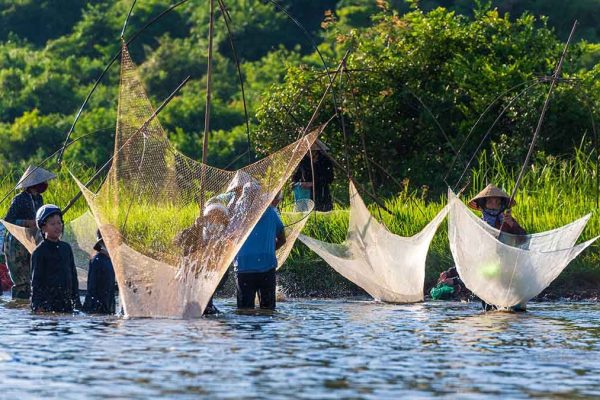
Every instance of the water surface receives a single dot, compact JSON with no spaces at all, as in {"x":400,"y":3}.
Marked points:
{"x":307,"y":349}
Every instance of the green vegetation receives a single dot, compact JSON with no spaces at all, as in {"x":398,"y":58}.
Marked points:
{"x":555,"y":192}
{"x":419,"y":76}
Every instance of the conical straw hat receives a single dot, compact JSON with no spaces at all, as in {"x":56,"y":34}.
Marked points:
{"x":489,"y":191}
{"x":33,"y":176}
{"x":239,"y":180}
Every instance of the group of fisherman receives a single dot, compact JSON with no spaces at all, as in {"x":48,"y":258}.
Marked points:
{"x":48,"y":278}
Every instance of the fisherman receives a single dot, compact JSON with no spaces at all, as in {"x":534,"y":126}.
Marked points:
{"x":233,"y":192}
{"x":205,"y":234}
{"x":100,"y":296}
{"x":54,"y":285}
{"x":449,"y":287}
{"x":211,"y":224}
{"x":495,"y":210}
{"x":493,"y":203}
{"x":303,"y":184}
{"x":255,"y":263}
{"x":22,"y":212}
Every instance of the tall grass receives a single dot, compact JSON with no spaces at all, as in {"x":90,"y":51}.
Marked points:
{"x":553,"y":192}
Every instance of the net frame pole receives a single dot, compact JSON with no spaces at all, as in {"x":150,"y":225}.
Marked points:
{"x":211,"y":29}
{"x":555,"y":78}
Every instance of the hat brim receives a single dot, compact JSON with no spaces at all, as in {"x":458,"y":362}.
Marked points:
{"x":475,"y":206}
{"x":34,"y":176}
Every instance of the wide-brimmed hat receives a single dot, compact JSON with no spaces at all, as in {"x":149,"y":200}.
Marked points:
{"x":33,"y":176}
{"x":490,"y":191}
{"x":216,"y":209}
{"x":239,"y":180}
{"x":318,"y":145}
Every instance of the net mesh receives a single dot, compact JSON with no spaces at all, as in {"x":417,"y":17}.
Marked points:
{"x":505,"y":270}
{"x":389,"y":267}
{"x":172,"y":225}
{"x":294,"y":223}
{"x":80,"y":233}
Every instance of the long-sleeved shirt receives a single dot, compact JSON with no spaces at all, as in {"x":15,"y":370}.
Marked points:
{"x":323,"y":174}
{"x":100,"y":296}
{"x":54,"y":285}
{"x":23,"y":207}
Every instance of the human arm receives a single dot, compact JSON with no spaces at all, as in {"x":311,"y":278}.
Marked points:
{"x":303,"y":174}
{"x":21,"y":206}
{"x":510,"y":225}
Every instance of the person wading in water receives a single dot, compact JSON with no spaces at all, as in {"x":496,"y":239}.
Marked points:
{"x":21,"y":212}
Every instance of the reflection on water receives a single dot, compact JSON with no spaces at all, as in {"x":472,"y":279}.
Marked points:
{"x":307,"y":349}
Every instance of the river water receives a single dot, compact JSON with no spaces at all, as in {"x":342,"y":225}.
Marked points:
{"x":306,"y":349}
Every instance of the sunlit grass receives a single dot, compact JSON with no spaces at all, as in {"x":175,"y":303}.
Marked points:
{"x":553,"y":193}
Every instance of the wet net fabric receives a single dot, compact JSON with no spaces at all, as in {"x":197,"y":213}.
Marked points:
{"x":503,"y":269}
{"x":294,"y":222}
{"x":389,"y":267}
{"x":27,"y":236}
{"x":80,"y":233}
{"x":172,"y":225}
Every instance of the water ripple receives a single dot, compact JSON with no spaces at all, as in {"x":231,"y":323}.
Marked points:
{"x":307,"y":349}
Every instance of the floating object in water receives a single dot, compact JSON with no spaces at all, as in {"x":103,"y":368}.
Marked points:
{"x":503,"y":269}
{"x":389,"y":267}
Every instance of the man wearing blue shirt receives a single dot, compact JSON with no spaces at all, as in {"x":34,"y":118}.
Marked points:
{"x":256,"y":262}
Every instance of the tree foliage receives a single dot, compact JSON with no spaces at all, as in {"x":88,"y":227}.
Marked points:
{"x":419,"y":77}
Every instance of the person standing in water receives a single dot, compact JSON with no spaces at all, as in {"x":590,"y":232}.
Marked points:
{"x":54,"y":284}
{"x":493,"y":203}
{"x":21,"y":212}
{"x":495,"y":210}
{"x":323,"y":177}
{"x":100,"y":296}
{"x":255,"y":263}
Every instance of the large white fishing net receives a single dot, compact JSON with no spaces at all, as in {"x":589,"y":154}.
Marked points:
{"x":173,"y":225}
{"x":503,"y":269}
{"x":80,"y":233}
{"x":389,"y":267}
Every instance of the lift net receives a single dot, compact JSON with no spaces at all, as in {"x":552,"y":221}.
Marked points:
{"x":172,"y":225}
{"x":294,"y":222}
{"x":80,"y":233}
{"x":389,"y":267}
{"x":503,"y":269}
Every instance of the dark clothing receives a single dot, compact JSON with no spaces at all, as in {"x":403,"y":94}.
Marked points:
{"x":100,"y":297}
{"x":496,"y":220}
{"x":248,"y":284}
{"x":323,"y":174}
{"x":23,"y":207}
{"x":450,"y":287}
{"x":54,"y":285}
